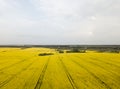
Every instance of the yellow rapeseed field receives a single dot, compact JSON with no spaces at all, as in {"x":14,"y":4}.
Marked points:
{"x":24,"y":69}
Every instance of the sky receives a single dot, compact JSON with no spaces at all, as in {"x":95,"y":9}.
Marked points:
{"x":49,"y":22}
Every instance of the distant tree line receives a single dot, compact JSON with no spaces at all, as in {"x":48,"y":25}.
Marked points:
{"x":45,"y":54}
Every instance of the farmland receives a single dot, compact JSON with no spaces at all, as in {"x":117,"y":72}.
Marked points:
{"x":25,"y":69}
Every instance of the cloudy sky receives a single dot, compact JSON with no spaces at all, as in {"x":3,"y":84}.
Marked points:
{"x":59,"y":21}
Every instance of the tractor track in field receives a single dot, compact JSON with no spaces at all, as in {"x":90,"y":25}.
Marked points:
{"x":109,"y":71}
{"x":7,"y":67}
{"x":104,"y":62}
{"x":41,"y":77}
{"x":97,"y":78}
{"x":25,"y":85}
{"x":104,"y":58}
{"x":14,"y":76}
{"x":68,"y":75}
{"x":1,"y":63}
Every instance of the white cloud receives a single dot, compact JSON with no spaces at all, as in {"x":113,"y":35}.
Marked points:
{"x":41,"y":21}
